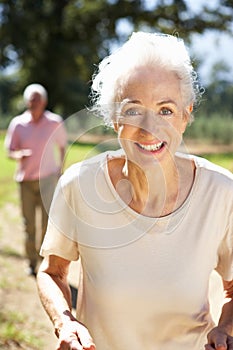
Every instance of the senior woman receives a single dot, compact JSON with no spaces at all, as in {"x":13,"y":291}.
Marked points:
{"x":148,"y":223}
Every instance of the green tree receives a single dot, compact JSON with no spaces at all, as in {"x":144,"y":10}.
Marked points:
{"x":57,"y":43}
{"x":217,"y":100}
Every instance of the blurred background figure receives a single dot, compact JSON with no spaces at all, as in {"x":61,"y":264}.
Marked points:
{"x":34,"y":139}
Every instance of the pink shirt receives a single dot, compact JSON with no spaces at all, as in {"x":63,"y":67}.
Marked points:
{"x":42,"y":138}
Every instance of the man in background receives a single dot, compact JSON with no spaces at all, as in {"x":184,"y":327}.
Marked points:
{"x":37,"y":140}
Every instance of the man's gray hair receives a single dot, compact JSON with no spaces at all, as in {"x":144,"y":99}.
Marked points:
{"x":31,"y":89}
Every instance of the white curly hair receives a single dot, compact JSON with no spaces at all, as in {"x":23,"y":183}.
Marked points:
{"x":142,"y":49}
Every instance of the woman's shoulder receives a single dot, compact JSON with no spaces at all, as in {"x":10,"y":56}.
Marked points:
{"x":206,"y":165}
{"x":210,"y":175}
{"x":213,"y":169}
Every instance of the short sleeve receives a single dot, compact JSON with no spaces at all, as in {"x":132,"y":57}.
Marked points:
{"x":11,"y":142}
{"x":61,"y":225}
{"x":225,"y":253}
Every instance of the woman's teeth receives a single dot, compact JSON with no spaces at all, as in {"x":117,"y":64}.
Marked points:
{"x":151,"y":148}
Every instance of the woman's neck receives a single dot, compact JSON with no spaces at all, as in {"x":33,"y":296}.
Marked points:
{"x":155,"y":191}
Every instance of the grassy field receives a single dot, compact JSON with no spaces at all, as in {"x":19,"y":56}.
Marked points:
{"x":223,"y":159}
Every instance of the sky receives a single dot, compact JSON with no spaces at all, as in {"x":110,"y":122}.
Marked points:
{"x":212,"y":46}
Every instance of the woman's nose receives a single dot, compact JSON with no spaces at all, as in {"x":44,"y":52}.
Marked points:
{"x":150,"y":123}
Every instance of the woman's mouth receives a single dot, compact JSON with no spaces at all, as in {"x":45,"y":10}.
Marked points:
{"x":151,"y":147}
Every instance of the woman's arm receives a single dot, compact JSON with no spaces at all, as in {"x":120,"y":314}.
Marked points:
{"x":55,"y":295}
{"x":221,"y":337}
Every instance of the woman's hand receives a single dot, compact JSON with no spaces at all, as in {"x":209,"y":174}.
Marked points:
{"x":219,"y":340}
{"x":55,"y":294}
{"x":74,"y":336}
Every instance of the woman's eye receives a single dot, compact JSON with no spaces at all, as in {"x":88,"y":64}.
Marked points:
{"x":131,"y":112}
{"x":166,"y":112}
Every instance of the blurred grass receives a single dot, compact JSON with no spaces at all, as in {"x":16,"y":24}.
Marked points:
{"x":14,"y":333}
{"x":8,"y":187}
{"x":223,"y":159}
{"x":77,"y":152}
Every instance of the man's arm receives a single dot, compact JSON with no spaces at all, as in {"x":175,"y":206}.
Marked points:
{"x":19,"y":154}
{"x":55,"y":295}
{"x":221,"y":337}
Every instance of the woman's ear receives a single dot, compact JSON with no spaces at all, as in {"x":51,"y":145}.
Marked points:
{"x":189,"y":109}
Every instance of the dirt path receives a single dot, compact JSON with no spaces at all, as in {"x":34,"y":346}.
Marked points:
{"x":18,"y":292}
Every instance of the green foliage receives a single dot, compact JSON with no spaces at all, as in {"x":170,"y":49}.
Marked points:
{"x":217,"y":99}
{"x":215,"y":129}
{"x":57,"y":43}
{"x":4,"y":122}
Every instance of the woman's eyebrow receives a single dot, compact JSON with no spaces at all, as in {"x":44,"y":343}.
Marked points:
{"x":166,"y":101}
{"x":161,"y":102}
{"x":128,"y":101}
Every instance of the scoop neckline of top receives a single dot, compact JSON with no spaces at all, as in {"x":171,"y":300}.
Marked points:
{"x":132,"y":212}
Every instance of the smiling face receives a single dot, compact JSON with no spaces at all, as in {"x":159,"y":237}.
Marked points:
{"x":151,"y":121}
